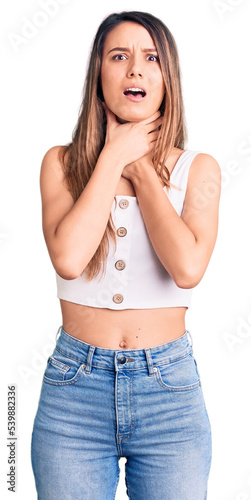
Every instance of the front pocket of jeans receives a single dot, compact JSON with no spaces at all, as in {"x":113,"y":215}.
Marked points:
{"x":179,"y":376}
{"x":62,"y":370}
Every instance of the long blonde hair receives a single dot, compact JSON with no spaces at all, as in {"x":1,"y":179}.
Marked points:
{"x":80,"y":156}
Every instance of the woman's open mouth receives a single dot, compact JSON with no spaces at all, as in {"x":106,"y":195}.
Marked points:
{"x":135,"y":94}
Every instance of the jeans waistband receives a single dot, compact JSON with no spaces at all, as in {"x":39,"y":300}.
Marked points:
{"x":121,"y":359}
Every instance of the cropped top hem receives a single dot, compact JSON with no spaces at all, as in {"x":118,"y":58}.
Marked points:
{"x":134,"y":277}
{"x":126,"y":304}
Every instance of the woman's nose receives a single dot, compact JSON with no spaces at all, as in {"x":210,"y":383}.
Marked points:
{"x":135,"y":69}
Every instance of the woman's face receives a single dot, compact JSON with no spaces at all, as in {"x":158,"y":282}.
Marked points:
{"x":131,"y":78}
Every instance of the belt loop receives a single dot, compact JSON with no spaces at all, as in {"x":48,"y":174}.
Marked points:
{"x":149,"y":361}
{"x":190,"y":338}
{"x":89,"y":359}
{"x":57,"y":332}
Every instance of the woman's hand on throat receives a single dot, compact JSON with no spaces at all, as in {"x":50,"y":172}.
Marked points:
{"x":138,"y":167}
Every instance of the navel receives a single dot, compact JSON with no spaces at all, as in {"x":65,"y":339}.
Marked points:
{"x":122,"y":344}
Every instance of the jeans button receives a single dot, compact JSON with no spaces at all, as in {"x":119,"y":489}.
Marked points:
{"x":122,"y":360}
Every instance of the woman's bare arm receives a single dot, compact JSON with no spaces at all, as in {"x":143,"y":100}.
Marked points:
{"x":73,"y":231}
{"x":183,"y":244}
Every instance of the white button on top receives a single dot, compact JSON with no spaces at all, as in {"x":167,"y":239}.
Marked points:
{"x":120,"y":265}
{"x":118,"y":298}
{"x":121,"y":231}
{"x":124,"y":203}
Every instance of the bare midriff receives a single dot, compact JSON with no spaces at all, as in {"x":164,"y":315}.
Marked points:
{"x":124,"y":329}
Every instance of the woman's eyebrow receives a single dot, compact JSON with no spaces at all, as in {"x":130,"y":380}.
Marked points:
{"x":125,"y":49}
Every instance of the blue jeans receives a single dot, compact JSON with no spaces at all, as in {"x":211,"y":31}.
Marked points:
{"x":97,"y":405}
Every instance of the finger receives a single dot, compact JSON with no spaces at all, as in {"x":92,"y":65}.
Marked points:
{"x":152,"y":146}
{"x":151,"y":127}
{"x":151,"y":118}
{"x":153,"y":137}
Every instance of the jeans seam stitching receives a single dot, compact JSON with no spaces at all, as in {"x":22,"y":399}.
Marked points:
{"x":67,"y":355}
{"x":61,"y":366}
{"x":174,"y":360}
{"x":50,"y":381}
{"x":183,"y":388}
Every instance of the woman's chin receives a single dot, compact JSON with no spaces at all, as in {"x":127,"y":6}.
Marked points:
{"x":130,"y":118}
{"x":121,"y":120}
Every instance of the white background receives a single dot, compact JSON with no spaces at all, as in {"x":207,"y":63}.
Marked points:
{"x":41,"y":92}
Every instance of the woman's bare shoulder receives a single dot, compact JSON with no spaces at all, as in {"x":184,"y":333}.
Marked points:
{"x":51,"y":164}
{"x":204,"y":182}
{"x":52,"y":177}
{"x":204,"y":163}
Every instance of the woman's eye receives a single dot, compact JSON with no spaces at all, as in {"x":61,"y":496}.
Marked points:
{"x":152,"y":58}
{"x":119,"y":57}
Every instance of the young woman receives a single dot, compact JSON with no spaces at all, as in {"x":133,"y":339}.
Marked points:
{"x":130,"y":221}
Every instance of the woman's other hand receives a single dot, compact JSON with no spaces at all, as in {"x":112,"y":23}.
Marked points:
{"x":138,"y":166}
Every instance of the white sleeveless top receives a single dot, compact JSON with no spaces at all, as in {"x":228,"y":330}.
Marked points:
{"x":134,"y":278}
